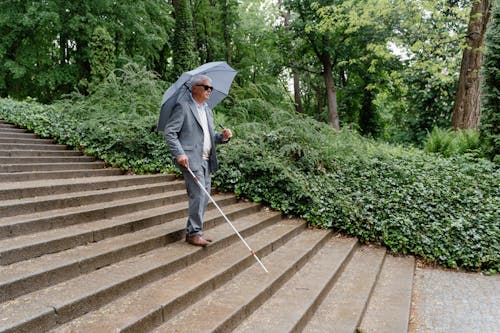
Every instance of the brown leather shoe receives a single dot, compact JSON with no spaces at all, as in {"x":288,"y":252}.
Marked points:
{"x":208,"y":239}
{"x":197,"y":240}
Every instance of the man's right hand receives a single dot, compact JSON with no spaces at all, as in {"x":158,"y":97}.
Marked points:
{"x":182,"y":160}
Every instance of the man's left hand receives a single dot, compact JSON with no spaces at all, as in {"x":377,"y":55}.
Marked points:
{"x":227,"y":134}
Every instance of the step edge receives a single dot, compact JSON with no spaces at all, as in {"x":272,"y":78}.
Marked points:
{"x":87,"y":264}
{"x":178,"y":304}
{"x":39,"y":204}
{"x":66,"y":312}
{"x":238,"y":316}
{"x":174,"y":199}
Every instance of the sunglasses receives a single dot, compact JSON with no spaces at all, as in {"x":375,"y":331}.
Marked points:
{"x":206,"y":86}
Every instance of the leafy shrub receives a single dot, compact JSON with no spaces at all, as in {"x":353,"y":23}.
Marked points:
{"x":442,"y":209}
{"x":116,"y":123}
{"x":449,"y":143}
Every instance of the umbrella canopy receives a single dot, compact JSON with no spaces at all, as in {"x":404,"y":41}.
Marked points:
{"x":222,"y":76}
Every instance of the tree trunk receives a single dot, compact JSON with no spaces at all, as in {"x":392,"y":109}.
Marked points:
{"x":331,"y":91}
{"x":183,"y":44}
{"x":296,"y":91}
{"x":226,"y":30}
{"x":466,"y":112}
{"x":296,"y":76}
{"x":320,"y":97}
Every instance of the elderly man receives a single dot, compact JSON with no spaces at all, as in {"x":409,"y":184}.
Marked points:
{"x":191,"y":138}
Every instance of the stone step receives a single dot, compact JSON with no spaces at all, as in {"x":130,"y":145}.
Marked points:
{"x":4,"y":123}
{"x":342,"y":309}
{"x":25,"y":277}
{"x":24,"y":146}
{"x":389,"y":306}
{"x":44,"y":309}
{"x":37,"y":167}
{"x":24,"y":247}
{"x":151,"y":305}
{"x":16,"y":249}
{"x":293,"y":304}
{"x":62,"y":174}
{"x":9,"y":134}
{"x":224,"y":309}
{"x":12,"y":129}
{"x":25,"y":141}
{"x":58,"y":201}
{"x":98,"y":251}
{"x":46,"y":160}
{"x":16,"y":190}
{"x":9,"y":126}
{"x":41,"y":153}
{"x":43,"y":221}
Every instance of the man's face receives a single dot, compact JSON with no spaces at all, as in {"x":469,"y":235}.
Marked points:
{"x":202,"y":91}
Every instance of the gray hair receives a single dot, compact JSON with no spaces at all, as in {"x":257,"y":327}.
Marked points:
{"x":199,"y":78}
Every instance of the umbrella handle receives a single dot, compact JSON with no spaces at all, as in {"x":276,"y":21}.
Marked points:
{"x":220,"y":125}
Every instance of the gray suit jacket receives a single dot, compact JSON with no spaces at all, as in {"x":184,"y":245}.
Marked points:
{"x":184,"y":134}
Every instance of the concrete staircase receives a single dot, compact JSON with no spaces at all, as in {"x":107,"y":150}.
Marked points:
{"x":84,"y":248}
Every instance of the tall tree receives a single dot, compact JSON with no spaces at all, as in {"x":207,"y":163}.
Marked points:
{"x":428,"y":42}
{"x":322,"y":43}
{"x":467,"y":108}
{"x":349,"y":39}
{"x":102,"y":55}
{"x":207,"y":33}
{"x":304,"y":16}
{"x":183,"y":53}
{"x":45,"y":45}
{"x":30,"y":59}
{"x":255,"y":53}
{"x":490,"y":119}
{"x":367,"y":63}
{"x":229,"y":23}
{"x":289,"y":44}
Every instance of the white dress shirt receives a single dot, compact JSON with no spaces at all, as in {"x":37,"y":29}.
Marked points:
{"x":207,"y":143}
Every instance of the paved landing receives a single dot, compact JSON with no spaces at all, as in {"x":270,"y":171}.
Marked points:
{"x":445,"y":301}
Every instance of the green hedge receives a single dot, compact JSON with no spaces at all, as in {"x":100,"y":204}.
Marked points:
{"x":124,"y":142}
{"x":445,"y":210}
{"x":117,"y":123}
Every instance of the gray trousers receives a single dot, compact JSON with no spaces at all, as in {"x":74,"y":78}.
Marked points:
{"x":198,"y":200}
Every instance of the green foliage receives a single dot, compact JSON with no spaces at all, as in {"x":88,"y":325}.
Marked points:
{"x":442,"y":209}
{"x":102,"y":55}
{"x":31,"y":63}
{"x":129,"y":90}
{"x":449,"y":143}
{"x":432,"y":34}
{"x":183,"y":52}
{"x":490,"y":119}
{"x":256,"y":53}
{"x":50,"y":48}
{"x":214,"y":26}
{"x":117,"y":123}
{"x":46,"y":50}
{"x":355,"y":34}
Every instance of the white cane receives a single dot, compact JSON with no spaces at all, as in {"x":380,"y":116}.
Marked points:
{"x":252,"y":252}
